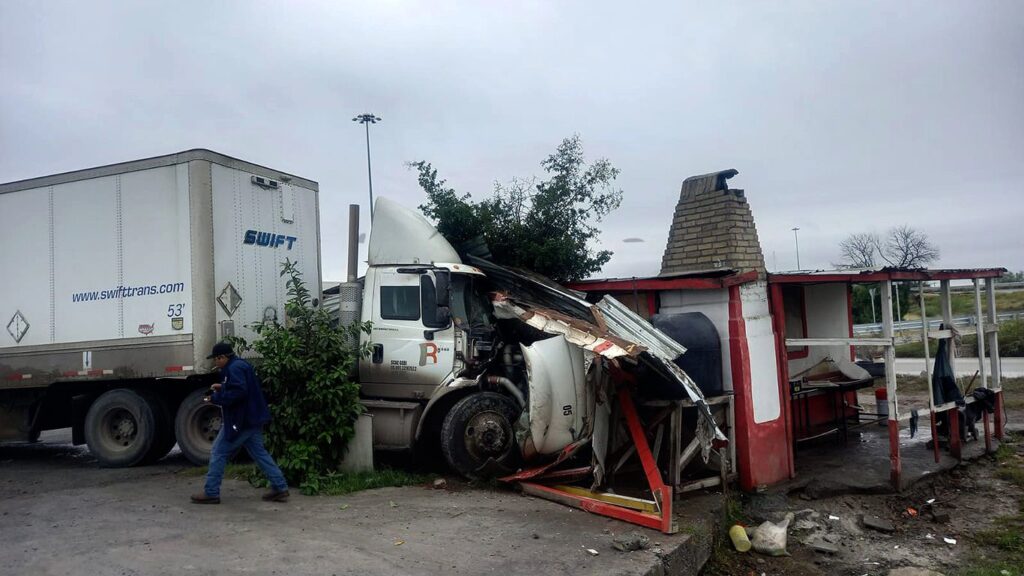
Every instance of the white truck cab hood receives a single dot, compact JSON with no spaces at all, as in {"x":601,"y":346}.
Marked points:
{"x":399,"y":236}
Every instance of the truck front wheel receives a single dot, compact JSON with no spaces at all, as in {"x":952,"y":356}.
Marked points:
{"x":196,"y":426}
{"x":120,"y":428}
{"x":478,"y":438}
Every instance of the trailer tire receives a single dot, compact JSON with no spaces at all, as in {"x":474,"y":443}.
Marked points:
{"x":120,"y":428}
{"x":478,"y":435}
{"x":164,"y":427}
{"x":195,"y":426}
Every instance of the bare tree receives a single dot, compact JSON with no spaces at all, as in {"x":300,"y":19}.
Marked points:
{"x":907,"y":247}
{"x":858,"y":250}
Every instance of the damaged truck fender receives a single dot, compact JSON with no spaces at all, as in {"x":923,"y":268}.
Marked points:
{"x":558,"y":407}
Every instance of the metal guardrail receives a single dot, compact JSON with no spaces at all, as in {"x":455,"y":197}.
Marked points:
{"x":903,"y":325}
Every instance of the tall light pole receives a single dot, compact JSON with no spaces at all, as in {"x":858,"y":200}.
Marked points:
{"x":366,"y":120}
{"x":797,"y":240}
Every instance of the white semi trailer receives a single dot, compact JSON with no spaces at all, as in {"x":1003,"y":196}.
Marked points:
{"x":116,"y":281}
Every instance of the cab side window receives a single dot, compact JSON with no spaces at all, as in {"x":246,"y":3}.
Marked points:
{"x":400,"y":302}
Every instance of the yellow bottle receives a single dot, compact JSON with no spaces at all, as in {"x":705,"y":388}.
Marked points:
{"x":738,"y":535}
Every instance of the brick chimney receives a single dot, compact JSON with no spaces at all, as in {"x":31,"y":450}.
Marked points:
{"x":712,"y":228}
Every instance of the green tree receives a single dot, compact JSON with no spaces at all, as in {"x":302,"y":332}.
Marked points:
{"x":547,"y":226}
{"x":306,"y":366}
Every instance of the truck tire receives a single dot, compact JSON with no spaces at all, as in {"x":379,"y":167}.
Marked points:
{"x":120,"y":428}
{"x":478,"y":436}
{"x":164,"y":427}
{"x":196,"y":426}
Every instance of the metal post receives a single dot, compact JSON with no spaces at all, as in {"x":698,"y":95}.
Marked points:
{"x":993,"y":338}
{"x":871,"y":291}
{"x":993,"y":352}
{"x":369,"y":171}
{"x":797,"y":240}
{"x":353,"y":242}
{"x":899,"y":313}
{"x":979,"y":322}
{"x":895,"y":467}
{"x":946,"y":303}
{"x":366,"y":120}
{"x":927,"y":367}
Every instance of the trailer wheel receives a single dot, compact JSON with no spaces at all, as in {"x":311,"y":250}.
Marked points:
{"x":478,"y":438}
{"x":120,"y":428}
{"x":196,"y":426}
{"x":164,"y":427}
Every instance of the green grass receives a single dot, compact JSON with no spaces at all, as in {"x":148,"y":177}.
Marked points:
{"x":963,"y":303}
{"x":334,"y":484}
{"x":1011,"y":343}
{"x":338,"y":484}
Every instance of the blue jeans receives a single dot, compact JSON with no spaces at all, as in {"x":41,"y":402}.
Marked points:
{"x":223,"y":450}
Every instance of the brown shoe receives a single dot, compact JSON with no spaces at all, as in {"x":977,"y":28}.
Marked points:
{"x":276,"y":496}
{"x":203,"y":498}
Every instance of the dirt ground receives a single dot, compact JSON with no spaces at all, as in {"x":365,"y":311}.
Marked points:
{"x":972,"y":526}
{"x":62,"y":514}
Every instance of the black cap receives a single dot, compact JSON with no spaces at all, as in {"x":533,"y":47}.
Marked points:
{"x":221,"y":349}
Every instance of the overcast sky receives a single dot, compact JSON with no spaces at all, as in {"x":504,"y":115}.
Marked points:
{"x":840,"y":117}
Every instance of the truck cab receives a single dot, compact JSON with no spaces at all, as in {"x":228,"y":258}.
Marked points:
{"x":443,"y":371}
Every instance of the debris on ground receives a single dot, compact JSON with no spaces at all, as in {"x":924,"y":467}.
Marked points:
{"x":631,"y":541}
{"x":913,"y":571}
{"x":770,"y":538}
{"x":876,"y":534}
{"x":590,"y":551}
{"x":822,"y":546}
{"x":440,"y":484}
{"x":876,"y":523}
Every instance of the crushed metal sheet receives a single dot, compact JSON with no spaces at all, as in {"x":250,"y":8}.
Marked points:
{"x":553,"y":309}
{"x":576,"y":331}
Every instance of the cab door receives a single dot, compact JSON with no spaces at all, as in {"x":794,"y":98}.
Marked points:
{"x":412,"y":340}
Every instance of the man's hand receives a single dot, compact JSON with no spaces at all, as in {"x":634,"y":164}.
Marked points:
{"x":215,"y":387}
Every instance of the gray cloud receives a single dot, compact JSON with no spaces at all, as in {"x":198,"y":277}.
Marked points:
{"x":841,"y":117}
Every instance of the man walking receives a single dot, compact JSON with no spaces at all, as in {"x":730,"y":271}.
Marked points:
{"x":244,"y":414}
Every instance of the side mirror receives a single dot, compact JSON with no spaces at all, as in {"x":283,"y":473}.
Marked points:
{"x":444,"y":319}
{"x":442,"y":279}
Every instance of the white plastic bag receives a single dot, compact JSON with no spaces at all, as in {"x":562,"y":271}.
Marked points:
{"x":770,"y":538}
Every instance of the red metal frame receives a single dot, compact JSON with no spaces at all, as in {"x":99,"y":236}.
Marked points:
{"x":895,"y":465}
{"x":954,"y":433}
{"x":998,"y":418}
{"x":662,"y":493}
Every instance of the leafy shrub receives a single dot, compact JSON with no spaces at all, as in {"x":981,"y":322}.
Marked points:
{"x":306,"y":367}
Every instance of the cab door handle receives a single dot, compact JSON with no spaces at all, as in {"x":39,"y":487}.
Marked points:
{"x":378,"y":353}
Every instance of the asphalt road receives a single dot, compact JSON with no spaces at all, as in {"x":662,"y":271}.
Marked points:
{"x":62,"y":514}
{"x":1011,"y":367}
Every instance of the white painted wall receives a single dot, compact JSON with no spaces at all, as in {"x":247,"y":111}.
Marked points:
{"x":764,"y":372}
{"x":828,"y":316}
{"x":712,"y":303}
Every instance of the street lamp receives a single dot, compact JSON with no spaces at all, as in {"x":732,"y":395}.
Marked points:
{"x":797,"y":240}
{"x":366,"y":120}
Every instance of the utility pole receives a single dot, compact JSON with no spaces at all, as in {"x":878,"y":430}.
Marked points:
{"x":366,"y":120}
{"x":797,"y":240}
{"x":871,"y":291}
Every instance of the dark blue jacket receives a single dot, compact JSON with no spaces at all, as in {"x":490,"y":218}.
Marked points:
{"x":240,"y":398}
